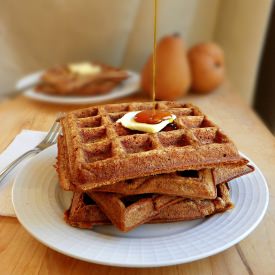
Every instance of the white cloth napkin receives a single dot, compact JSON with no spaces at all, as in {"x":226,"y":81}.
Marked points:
{"x":24,"y":141}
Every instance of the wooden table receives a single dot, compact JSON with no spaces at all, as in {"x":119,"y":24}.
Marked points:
{"x":22,"y":254}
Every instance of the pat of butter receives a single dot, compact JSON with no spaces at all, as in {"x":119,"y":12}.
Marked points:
{"x":128,"y":121}
{"x":84,"y":68}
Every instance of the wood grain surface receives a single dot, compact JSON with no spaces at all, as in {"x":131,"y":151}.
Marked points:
{"x":20,"y":253}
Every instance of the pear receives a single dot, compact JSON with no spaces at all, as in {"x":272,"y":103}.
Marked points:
{"x":207,"y":67}
{"x":172,"y":70}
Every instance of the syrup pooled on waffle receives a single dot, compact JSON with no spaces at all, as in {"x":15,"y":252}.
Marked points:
{"x":101,"y":151}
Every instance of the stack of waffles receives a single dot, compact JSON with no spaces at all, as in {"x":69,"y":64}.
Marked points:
{"x":129,"y":178}
{"x":61,"y":81}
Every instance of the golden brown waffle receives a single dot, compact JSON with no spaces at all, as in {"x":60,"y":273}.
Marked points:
{"x":189,"y":183}
{"x":62,"y":166}
{"x":186,"y":183}
{"x":127,"y":212}
{"x":226,"y":174}
{"x":84,"y":213}
{"x":101,"y":151}
{"x":60,"y":80}
{"x":195,"y":209}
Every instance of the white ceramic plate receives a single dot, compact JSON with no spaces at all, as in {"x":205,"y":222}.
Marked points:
{"x":127,"y":87}
{"x":39,"y":205}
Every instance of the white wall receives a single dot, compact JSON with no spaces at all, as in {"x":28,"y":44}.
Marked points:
{"x":240,"y":30}
{"x":35,"y":34}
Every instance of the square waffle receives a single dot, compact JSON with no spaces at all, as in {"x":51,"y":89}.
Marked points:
{"x":195,"y":209}
{"x":101,"y":151}
{"x":199,"y":184}
{"x":84,"y":212}
{"x":60,"y":80}
{"x":127,"y":212}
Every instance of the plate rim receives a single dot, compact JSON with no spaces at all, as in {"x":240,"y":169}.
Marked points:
{"x":169,"y":262}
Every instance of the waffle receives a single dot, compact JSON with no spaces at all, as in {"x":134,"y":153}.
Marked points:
{"x":185,"y":183}
{"x":60,"y":80}
{"x":226,"y":174}
{"x":84,"y":213}
{"x":127,"y":212}
{"x":195,"y":209}
{"x":189,"y":183}
{"x":62,"y":166}
{"x":101,"y":151}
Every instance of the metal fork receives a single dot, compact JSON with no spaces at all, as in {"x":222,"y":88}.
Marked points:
{"x":49,"y":140}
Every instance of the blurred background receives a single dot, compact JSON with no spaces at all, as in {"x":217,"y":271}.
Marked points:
{"x":36,"y":34}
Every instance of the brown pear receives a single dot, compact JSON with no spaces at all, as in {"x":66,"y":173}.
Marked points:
{"x":172,"y":70}
{"x":207,"y":67}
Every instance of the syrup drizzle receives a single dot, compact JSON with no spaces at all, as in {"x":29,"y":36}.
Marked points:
{"x":155,"y":53}
{"x":152,"y":116}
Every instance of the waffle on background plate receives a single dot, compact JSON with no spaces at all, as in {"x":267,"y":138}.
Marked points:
{"x":129,"y":177}
{"x":60,"y":80}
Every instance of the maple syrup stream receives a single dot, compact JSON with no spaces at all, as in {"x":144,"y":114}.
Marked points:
{"x":153,"y":116}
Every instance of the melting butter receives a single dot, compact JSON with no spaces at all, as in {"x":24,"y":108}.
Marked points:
{"x":128,"y":121}
{"x":84,"y":68}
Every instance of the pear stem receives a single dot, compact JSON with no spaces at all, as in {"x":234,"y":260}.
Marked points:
{"x":176,"y":34}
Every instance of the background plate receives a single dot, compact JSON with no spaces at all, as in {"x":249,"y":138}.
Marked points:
{"x":127,"y":87}
{"x":39,"y":205}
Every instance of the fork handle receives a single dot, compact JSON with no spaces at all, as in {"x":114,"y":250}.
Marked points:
{"x":13,"y":164}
